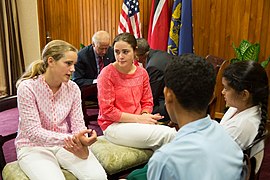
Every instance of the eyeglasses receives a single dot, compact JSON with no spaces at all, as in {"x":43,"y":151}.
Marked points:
{"x":102,"y":48}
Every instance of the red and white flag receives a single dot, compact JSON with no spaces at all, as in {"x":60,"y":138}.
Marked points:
{"x":159,"y":25}
{"x":130,"y":18}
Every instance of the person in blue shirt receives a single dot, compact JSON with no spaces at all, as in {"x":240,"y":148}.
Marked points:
{"x":201,"y":149}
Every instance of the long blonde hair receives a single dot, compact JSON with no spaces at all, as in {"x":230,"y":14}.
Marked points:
{"x":55,"y":49}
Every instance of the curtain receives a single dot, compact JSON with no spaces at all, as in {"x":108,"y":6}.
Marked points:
{"x":11,"y":54}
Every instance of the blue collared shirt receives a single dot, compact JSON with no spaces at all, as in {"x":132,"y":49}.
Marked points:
{"x":201,"y":150}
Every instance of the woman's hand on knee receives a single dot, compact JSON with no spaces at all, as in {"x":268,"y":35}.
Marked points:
{"x":74,"y":145}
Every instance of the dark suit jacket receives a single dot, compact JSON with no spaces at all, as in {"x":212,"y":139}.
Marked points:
{"x":156,"y":64}
{"x":86,"y":66}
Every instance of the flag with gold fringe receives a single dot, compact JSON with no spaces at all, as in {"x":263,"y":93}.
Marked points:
{"x":181,"y":35}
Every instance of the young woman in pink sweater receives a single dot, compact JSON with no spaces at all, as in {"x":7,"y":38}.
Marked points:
{"x":126,"y":101}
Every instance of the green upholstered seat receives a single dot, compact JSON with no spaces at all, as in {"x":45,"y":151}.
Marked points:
{"x":12,"y":171}
{"x":113,"y":158}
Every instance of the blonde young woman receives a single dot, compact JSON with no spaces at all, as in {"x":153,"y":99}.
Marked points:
{"x":126,"y":102}
{"x":51,"y":131}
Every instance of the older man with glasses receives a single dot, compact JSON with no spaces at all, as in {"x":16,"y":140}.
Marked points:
{"x":93,"y":58}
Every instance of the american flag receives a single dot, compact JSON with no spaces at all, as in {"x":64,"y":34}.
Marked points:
{"x":130,"y":18}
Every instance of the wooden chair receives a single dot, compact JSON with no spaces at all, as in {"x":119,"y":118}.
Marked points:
{"x":246,"y":168}
{"x":217,"y":105}
{"x":255,"y":152}
{"x":215,"y":61}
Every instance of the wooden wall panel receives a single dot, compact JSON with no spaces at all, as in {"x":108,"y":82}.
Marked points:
{"x":60,"y":20}
{"x":41,"y":23}
{"x":217,"y":24}
{"x":220,"y":23}
{"x":105,"y":14}
{"x":265,"y":31}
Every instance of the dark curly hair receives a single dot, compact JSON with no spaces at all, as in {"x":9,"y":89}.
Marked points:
{"x":143,"y":46}
{"x":250,"y":76}
{"x":192,"y":79}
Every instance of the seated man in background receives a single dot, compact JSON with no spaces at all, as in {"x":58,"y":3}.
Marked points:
{"x":202,"y":149}
{"x":154,"y":61}
{"x":92,"y":59}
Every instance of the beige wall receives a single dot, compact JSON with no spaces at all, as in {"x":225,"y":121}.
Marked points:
{"x":28,"y":21}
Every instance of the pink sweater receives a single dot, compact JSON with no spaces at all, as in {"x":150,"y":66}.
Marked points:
{"x":118,"y":92}
{"x":44,"y":116}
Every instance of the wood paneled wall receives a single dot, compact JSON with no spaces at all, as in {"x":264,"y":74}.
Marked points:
{"x":59,"y":19}
{"x":219,"y":23}
{"x":216,"y":23}
{"x":104,"y":15}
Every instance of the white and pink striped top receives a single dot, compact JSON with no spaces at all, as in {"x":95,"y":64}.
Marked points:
{"x":47,"y":118}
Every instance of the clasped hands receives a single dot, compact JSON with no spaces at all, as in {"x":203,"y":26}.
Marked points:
{"x":146,"y":118}
{"x":78,"y":143}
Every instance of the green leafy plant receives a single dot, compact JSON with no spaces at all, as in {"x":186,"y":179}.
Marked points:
{"x":82,"y":45}
{"x":248,"y":51}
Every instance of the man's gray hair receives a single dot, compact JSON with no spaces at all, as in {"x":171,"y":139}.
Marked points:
{"x":100,"y":36}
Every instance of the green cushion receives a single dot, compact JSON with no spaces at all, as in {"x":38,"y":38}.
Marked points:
{"x":13,"y":171}
{"x":115,"y":158}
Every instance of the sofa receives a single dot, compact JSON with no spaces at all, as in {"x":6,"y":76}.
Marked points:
{"x":117,"y":160}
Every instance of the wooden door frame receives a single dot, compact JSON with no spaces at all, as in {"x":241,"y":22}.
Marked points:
{"x":41,"y":23}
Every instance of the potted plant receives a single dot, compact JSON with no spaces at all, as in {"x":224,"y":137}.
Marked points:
{"x":248,"y":51}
